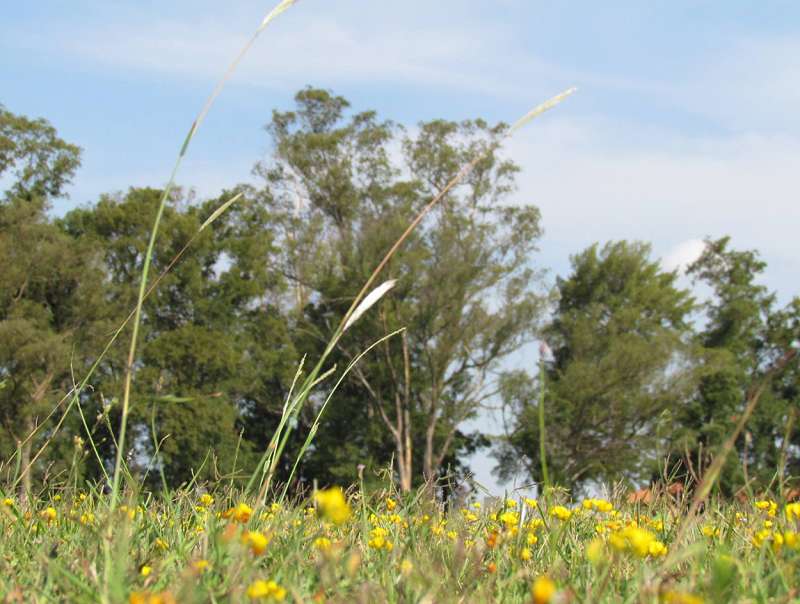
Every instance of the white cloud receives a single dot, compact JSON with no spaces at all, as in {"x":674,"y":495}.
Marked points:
{"x":682,"y":255}
{"x":593,"y":182}
{"x":320,"y":49}
{"x":753,"y":82}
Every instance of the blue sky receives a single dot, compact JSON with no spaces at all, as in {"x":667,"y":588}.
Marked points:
{"x":686,"y":122}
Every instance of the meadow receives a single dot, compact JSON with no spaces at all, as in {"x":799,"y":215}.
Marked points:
{"x":114,"y":540}
{"x":199,"y":546}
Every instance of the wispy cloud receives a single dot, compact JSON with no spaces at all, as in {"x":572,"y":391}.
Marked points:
{"x":753,"y":82}
{"x":597,"y":180}
{"x":323,"y":50}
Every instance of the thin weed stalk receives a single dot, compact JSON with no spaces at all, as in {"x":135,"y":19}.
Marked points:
{"x":115,"y":487}
{"x":315,"y":426}
{"x":542,"y":432}
{"x":78,"y":389}
{"x":711,"y":475}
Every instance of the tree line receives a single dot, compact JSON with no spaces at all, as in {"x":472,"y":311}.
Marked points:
{"x":642,"y":379}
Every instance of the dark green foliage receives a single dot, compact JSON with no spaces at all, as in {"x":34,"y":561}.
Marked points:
{"x":743,"y":335}
{"x":621,"y":363}
{"x":213,"y":337}
{"x":630,"y":382}
{"x":51,"y":302}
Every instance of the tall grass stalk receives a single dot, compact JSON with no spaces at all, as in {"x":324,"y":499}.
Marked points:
{"x":542,"y":432}
{"x":315,"y":426}
{"x":281,"y":7}
{"x":115,"y":486}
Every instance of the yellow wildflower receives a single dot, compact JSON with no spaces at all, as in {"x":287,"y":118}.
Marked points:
{"x":333,"y":505}
{"x":151,"y":598}
{"x":561,"y":513}
{"x":679,"y":597}
{"x":145,"y":570}
{"x":49,"y":515}
{"x":534,"y":524}
{"x":322,"y":543}
{"x":87,"y":518}
{"x":263,"y":590}
{"x":206,"y":500}
{"x":509,"y":519}
{"x":525,"y":554}
{"x":378,"y":539}
{"x":657,"y":525}
{"x":769,"y":506}
{"x":760,"y":536}
{"x":469,"y":516}
{"x":241,"y":513}
{"x":638,"y":541}
{"x":595,"y":552}
{"x":390,"y":504}
{"x":792,"y":511}
{"x":256,"y":541}
{"x":543,"y":590}
{"x":656,"y":549}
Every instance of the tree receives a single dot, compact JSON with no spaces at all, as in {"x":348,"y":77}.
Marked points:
{"x":620,"y":361}
{"x":50,"y":300}
{"x":40,"y":163}
{"x":216,"y":358}
{"x":343,"y":186}
{"x":744,"y":334}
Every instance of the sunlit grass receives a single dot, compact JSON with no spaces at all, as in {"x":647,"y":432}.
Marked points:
{"x":204,"y":547}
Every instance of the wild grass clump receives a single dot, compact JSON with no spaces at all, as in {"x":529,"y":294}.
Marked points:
{"x":203,"y":546}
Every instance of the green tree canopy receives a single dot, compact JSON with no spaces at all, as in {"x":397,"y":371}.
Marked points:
{"x":38,"y":162}
{"x":743,"y":335}
{"x":620,"y":361}
{"x":343,"y":186}
{"x":51,"y":303}
{"x":216,"y":356}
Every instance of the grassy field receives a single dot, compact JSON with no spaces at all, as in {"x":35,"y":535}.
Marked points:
{"x":340,"y":547}
{"x":68,"y":545}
